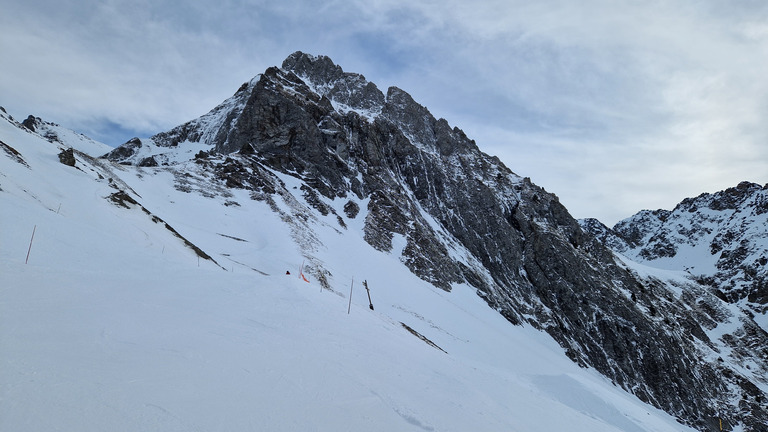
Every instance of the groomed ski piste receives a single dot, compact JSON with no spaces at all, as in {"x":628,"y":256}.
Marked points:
{"x":110,"y":321}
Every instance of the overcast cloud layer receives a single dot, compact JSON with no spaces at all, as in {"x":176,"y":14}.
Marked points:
{"x":615,"y":106}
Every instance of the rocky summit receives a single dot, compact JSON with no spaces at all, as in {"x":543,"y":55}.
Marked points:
{"x":456,"y":215}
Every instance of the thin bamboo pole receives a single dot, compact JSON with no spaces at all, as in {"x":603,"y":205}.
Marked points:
{"x":30,"y":244}
{"x":349,"y":308}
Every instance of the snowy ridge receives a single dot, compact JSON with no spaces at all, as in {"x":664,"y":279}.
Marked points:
{"x":183,"y":142}
{"x":223,"y":115}
{"x":719,"y":238}
{"x":55,"y":133}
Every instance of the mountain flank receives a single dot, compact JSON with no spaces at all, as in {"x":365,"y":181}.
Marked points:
{"x":327,"y":150}
{"x":466,"y":218}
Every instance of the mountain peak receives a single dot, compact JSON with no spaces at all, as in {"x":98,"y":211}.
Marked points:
{"x":347,"y":91}
{"x":308,"y":65}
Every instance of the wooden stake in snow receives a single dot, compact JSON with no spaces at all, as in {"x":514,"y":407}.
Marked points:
{"x":350,"y":296}
{"x":370,"y":303}
{"x":30,"y":244}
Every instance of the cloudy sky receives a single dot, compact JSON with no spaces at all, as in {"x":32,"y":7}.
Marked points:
{"x":613,"y":105}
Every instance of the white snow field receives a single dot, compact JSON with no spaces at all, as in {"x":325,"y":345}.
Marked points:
{"x":115,"y":325}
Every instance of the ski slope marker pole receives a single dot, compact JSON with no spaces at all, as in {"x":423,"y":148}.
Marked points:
{"x":30,"y":244}
{"x":370,"y":303}
{"x":349,"y":308}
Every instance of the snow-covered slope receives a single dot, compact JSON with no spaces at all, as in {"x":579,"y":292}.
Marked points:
{"x":55,"y":133}
{"x":119,"y":322}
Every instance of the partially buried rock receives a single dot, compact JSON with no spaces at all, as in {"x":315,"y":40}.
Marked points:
{"x":30,"y":123}
{"x":148,"y":162}
{"x":67,"y":157}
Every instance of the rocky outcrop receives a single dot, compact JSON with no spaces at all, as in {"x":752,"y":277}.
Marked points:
{"x":67,"y":157}
{"x":30,"y":123}
{"x":124,"y":152}
{"x":13,"y":154}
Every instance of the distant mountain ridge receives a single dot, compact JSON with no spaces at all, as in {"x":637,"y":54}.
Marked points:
{"x":720,"y":238}
{"x":424,"y":191}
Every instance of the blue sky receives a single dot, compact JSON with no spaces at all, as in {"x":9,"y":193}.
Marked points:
{"x":615,"y":106}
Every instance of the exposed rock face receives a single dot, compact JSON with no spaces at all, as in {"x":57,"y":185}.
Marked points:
{"x":125,"y":151}
{"x":13,"y":153}
{"x":464,"y":218}
{"x":42,"y":128}
{"x":346,"y":90}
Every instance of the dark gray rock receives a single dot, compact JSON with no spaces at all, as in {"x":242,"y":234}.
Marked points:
{"x":347,"y":89}
{"x":149,"y":161}
{"x":67,"y":157}
{"x":351,"y":209}
{"x":13,"y":154}
{"x":125,"y":152}
{"x":30,"y":123}
{"x":604,"y":234}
